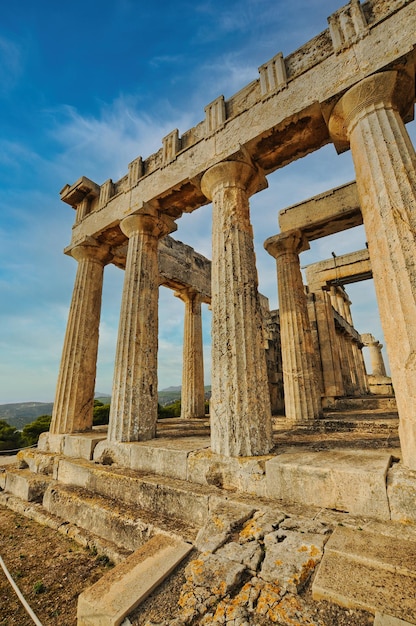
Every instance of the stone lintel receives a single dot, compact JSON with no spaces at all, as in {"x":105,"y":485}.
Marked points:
{"x":344,"y":269}
{"x":325,"y":214}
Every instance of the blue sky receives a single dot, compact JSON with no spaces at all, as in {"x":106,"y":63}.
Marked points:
{"x":85,"y":87}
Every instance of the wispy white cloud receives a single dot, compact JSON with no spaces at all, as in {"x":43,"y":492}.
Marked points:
{"x":10,"y":65}
{"x":103,"y":144}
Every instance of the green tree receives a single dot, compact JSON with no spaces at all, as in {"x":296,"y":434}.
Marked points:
{"x":10,"y":438}
{"x":101,"y":413}
{"x":32,"y":431}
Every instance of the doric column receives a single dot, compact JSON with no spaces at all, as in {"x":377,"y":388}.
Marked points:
{"x":342,"y":346}
{"x":328,"y":345}
{"x":74,"y":400}
{"x":369,"y":117}
{"x":302,"y":396}
{"x":193,"y":394}
{"x":133,"y":412}
{"x":376,"y":357}
{"x":240,"y":402}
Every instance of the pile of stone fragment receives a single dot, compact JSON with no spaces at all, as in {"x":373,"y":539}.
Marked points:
{"x":251,"y":569}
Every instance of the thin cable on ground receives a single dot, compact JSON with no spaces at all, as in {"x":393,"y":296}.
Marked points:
{"x":19,"y":594}
{"x":18,"y":449}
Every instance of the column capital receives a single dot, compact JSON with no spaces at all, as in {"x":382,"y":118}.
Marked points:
{"x":390,"y":89}
{"x":233,"y":174}
{"x":188,"y":294}
{"x":93,"y":250}
{"x":152,"y":225}
{"x":290,"y":242}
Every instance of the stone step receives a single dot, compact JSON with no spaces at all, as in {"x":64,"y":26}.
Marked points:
{"x":123,"y":588}
{"x":178,"y":499}
{"x":26,"y":485}
{"x":369,"y":571}
{"x":360,"y":422}
{"x":127,"y":526}
{"x":387,"y":403}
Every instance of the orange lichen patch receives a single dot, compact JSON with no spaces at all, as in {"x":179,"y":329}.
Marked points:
{"x":269,"y":596}
{"x":219,"y":523}
{"x":290,"y":612}
{"x":300,"y":578}
{"x":221,"y":589}
{"x":196,"y":567}
{"x":220,"y":611}
{"x":278,"y":562}
{"x":315,"y":551}
{"x":250,"y":530}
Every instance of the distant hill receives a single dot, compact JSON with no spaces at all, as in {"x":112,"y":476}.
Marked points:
{"x":21,"y":413}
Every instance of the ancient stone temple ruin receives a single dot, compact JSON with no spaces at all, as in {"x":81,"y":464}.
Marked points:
{"x":300,"y":446}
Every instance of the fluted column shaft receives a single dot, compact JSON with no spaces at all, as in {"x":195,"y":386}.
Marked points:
{"x":133,"y":412}
{"x":302,"y":397}
{"x":369,"y":117}
{"x":193,"y":393}
{"x":240,"y":403}
{"x":74,"y":399}
{"x":331,"y":367}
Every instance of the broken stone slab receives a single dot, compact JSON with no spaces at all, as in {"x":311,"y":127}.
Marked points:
{"x":353,"y":481}
{"x":248,"y":554}
{"x":401,"y":492}
{"x":368,"y":571}
{"x":38,"y":462}
{"x":262,"y":523}
{"x":122,"y":589}
{"x":290,"y":558}
{"x":223,"y":518}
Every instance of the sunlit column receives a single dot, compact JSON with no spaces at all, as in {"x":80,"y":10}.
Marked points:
{"x":74,"y":400}
{"x":328,"y":344}
{"x":369,"y":117}
{"x":302,"y":395}
{"x":240,"y":402}
{"x":376,"y":356}
{"x":193,"y":393}
{"x":133,"y":412}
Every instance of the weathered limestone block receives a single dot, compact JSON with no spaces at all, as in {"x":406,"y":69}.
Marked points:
{"x":25,"y":485}
{"x":74,"y":400}
{"x":208,"y":579}
{"x":352,"y":480}
{"x":242,"y":473}
{"x":291,"y":558}
{"x":401,"y":492}
{"x":222,"y":519}
{"x":240,"y":402}
{"x":262,"y":523}
{"x":248,"y":554}
{"x":119,"y":591}
{"x":369,"y":118}
{"x":368,"y":571}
